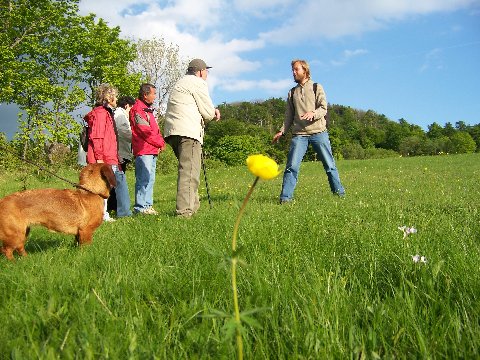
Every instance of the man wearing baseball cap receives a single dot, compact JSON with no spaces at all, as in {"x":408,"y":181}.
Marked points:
{"x":189,"y":107}
{"x":197,"y":65}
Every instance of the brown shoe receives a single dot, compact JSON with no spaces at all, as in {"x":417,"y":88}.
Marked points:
{"x":186,"y":215}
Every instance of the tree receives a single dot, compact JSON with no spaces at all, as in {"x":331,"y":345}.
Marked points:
{"x":474,"y":132}
{"x":106,"y":58}
{"x":47,"y":52}
{"x":448,"y":129}
{"x":412,"y":146}
{"x":434,"y":131}
{"x":462,"y":143}
{"x":160,"y":64}
{"x":234,"y":149}
{"x":34,"y":61}
{"x":461,"y":126}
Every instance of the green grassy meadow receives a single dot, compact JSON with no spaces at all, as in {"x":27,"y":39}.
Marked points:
{"x":323,"y":278}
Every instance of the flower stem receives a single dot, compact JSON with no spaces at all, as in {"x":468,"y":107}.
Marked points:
{"x":240,"y":214}
{"x":234,"y":270}
{"x":237,"y":310}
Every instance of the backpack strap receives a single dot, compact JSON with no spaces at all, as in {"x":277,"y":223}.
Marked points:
{"x":292,"y":91}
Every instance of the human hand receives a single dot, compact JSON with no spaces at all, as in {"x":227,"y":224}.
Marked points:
{"x":277,"y":137}
{"x":217,"y":114}
{"x":310,"y":116}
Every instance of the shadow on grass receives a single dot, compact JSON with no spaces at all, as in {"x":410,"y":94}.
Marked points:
{"x":41,"y":240}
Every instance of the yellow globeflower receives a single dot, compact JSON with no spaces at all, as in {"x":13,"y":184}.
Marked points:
{"x":262,"y":166}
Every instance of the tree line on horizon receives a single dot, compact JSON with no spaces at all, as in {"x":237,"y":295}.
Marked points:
{"x":52,"y":59}
{"x":248,"y":127}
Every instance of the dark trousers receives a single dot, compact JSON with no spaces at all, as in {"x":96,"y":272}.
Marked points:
{"x":112,"y":199}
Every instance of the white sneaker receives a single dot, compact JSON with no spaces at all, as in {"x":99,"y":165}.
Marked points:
{"x":150,"y":211}
{"x":108,"y":219}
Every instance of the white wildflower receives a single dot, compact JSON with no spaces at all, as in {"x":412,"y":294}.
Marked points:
{"x":407,"y":230}
{"x":417,"y":258}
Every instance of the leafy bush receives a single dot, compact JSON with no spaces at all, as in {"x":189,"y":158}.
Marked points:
{"x":379,"y":153}
{"x":357,"y":152}
{"x":353,"y":151}
{"x":462,"y":143}
{"x":412,"y":146}
{"x":8,"y":157}
{"x":167,"y":162}
{"x":234,"y":150}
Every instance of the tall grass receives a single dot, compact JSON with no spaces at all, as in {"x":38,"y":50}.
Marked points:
{"x":335,"y":277}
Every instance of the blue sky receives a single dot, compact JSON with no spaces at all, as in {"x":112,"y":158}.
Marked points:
{"x":412,"y":59}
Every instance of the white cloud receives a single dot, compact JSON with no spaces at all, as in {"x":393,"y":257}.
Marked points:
{"x":347,"y":55}
{"x":200,"y":28}
{"x":263,"y":8}
{"x":272,"y":87}
{"x":325,"y":19}
{"x":190,"y":24}
{"x":187,"y":22}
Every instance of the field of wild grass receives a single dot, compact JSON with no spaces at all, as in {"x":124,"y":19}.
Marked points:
{"x":324,"y":278}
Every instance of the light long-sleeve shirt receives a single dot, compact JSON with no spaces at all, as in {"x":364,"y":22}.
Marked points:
{"x":189,"y":107}
{"x":304,"y":99}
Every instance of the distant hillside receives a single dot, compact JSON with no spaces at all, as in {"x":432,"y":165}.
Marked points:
{"x":354,"y":133}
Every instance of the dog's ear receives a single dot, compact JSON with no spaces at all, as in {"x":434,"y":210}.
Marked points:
{"x":108,"y":175}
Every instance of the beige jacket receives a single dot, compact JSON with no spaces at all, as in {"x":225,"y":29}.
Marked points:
{"x":303,"y":101}
{"x":189,"y":106}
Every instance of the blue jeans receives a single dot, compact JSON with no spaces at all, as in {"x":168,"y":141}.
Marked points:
{"x":145,"y":166}
{"x":298,"y":147}
{"x":121,"y":192}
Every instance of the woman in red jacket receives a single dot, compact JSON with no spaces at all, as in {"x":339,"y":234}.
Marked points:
{"x":102,"y":141}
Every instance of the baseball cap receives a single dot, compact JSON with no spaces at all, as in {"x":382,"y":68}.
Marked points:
{"x":197,"y":65}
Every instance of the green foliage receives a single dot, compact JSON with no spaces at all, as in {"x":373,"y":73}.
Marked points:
{"x":434,"y":131}
{"x":8,"y":155}
{"x":462,"y":143}
{"x":412,"y":146}
{"x":47,"y":50}
{"x":215,"y":130}
{"x":31,"y":30}
{"x":106,"y":57}
{"x":231,"y":141}
{"x":354,"y":134}
{"x":379,"y":153}
{"x":234,"y":149}
{"x":167,"y":162}
{"x":267,"y":114}
{"x":474,"y":132}
{"x":353,"y":151}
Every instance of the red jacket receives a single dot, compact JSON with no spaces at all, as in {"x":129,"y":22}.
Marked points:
{"x":146,"y":136}
{"x":102,"y":141}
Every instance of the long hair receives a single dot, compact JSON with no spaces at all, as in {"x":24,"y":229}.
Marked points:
{"x":304,"y":65}
{"x":105,"y":94}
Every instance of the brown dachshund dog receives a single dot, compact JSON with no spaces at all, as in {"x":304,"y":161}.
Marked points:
{"x":78,"y":212}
